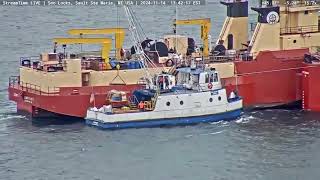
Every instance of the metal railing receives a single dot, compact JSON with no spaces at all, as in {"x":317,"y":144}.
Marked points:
{"x":243,"y":56}
{"x":299,"y":29}
{"x":35,"y":63}
{"x":14,"y":82}
{"x":30,"y":58}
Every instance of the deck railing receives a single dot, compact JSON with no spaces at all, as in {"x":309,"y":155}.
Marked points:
{"x":30,"y":59}
{"x":14,"y":82}
{"x":243,"y":56}
{"x":299,"y":29}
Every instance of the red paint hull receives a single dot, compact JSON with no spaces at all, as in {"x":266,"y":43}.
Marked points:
{"x":272,"y":79}
{"x":311,"y":88}
{"x":66,"y":102}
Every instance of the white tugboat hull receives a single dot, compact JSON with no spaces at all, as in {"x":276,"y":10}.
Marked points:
{"x":195,"y":108}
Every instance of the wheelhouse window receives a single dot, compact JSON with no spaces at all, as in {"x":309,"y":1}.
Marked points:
{"x":207,"y":78}
{"x":216,"y":79}
{"x":211,"y":77}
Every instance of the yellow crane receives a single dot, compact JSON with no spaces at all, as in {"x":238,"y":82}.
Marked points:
{"x":205,"y":24}
{"x":119,"y":35}
{"x":105,"y":42}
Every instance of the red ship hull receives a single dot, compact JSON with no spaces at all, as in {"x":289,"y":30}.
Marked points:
{"x":311,"y":87}
{"x":65,"y":103}
{"x":274,"y":78}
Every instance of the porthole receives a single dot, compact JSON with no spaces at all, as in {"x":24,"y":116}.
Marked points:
{"x":210,"y":99}
{"x":168,"y":103}
{"x":219,"y":98}
{"x":181,"y":103}
{"x":294,"y":41}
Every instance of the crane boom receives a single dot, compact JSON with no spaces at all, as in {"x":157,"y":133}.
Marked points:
{"x":119,"y":35}
{"x":205,"y":24}
{"x":82,"y":40}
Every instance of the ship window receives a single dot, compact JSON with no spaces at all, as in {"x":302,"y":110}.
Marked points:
{"x":168,"y":103}
{"x":207,"y":78}
{"x":294,"y":41}
{"x":181,"y":103}
{"x":211,"y":78}
{"x":219,"y":98}
{"x":210,"y":99}
{"x":306,"y":12}
{"x":216,"y":77}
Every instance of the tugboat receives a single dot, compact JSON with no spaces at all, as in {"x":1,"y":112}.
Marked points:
{"x":197,"y":97}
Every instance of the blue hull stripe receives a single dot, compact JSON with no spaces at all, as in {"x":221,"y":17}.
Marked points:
{"x":231,"y":115}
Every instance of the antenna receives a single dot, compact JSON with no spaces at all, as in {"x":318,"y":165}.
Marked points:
{"x":136,"y":37}
{"x":175,"y":28}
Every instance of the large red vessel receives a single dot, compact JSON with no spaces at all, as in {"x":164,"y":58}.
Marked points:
{"x":266,"y":70}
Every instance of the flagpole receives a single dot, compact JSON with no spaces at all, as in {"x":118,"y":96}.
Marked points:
{"x":92,"y":98}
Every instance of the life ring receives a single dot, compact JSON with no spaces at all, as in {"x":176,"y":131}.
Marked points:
{"x":210,"y":85}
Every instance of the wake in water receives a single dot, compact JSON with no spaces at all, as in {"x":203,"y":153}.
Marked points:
{"x":8,"y":116}
{"x":244,"y":119}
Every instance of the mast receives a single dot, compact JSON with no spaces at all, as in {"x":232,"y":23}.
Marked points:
{"x":137,"y":37}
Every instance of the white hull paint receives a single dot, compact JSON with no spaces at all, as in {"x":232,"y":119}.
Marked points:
{"x":173,"y":106}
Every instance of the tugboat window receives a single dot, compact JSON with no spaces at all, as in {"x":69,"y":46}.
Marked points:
{"x":216,"y":77}
{"x":211,"y":78}
{"x":207,"y":78}
{"x":181,"y":102}
{"x":168,"y":103}
{"x":210,"y":99}
{"x":219,"y":98}
{"x":306,"y":12}
{"x":294,"y":41}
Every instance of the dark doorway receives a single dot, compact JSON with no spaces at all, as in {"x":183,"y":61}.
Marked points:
{"x":230,"y":41}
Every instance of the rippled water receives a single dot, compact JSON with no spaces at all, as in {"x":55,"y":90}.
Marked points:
{"x":268,"y":145}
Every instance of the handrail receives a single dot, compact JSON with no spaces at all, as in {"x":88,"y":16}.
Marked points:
{"x":14,"y":82}
{"x":243,"y":56}
{"x":154,"y":99}
{"x":255,"y":34}
{"x":224,"y":28}
{"x":299,"y":29}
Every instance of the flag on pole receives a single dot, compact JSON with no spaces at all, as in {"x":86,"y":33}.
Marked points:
{"x":92,"y":100}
